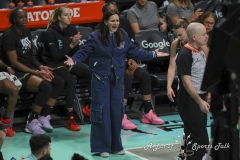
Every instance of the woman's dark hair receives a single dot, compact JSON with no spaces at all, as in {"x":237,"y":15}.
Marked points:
{"x":104,"y":30}
{"x":46,"y":157}
{"x":106,"y":5}
{"x":206,"y":15}
{"x":77,"y":156}
{"x":13,"y":14}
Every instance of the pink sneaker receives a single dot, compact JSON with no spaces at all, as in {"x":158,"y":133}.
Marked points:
{"x":152,"y":118}
{"x":127,"y":124}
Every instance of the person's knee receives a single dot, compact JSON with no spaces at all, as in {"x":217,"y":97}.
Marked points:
{"x":9,"y":88}
{"x":59,"y":82}
{"x":45,"y":87}
{"x":142,"y":74}
{"x":14,"y":91}
{"x":71,"y":81}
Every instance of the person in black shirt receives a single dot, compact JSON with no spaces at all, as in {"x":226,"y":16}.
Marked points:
{"x":193,"y":103}
{"x":62,"y":39}
{"x":35,"y":77}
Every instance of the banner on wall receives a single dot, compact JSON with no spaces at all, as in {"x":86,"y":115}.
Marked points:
{"x":38,"y":16}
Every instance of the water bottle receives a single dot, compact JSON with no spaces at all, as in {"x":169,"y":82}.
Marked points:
{"x":20,"y":4}
{"x":29,"y":3}
{"x":11,"y":5}
{"x":165,"y":3}
{"x":51,"y":2}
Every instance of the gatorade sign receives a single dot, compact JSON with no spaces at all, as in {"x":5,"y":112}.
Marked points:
{"x":88,"y":12}
{"x":44,"y":15}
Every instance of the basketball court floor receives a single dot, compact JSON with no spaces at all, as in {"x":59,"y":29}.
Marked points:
{"x":147,"y":142}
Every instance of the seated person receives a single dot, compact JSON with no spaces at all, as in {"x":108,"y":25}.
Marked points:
{"x":149,"y":116}
{"x":180,"y":31}
{"x":10,"y":89}
{"x":143,"y":15}
{"x":182,"y":8}
{"x":208,"y":19}
{"x":17,"y":53}
{"x":62,"y":39}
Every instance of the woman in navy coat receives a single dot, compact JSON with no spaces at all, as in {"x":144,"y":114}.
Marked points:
{"x":107,"y":49}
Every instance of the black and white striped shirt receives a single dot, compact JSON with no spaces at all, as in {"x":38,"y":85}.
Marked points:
{"x":191,"y":62}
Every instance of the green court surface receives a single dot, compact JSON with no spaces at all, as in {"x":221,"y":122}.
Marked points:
{"x":146,"y":142}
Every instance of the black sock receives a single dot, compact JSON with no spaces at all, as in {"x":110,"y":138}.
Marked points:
{"x":147,"y":105}
{"x":70,"y":112}
{"x":33,"y":115}
{"x":46,"y":110}
{"x":126,"y":107}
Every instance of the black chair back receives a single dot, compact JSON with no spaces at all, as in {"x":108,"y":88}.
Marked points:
{"x":212,"y":6}
{"x":152,"y":40}
{"x":38,"y":43}
{"x":61,"y":1}
{"x":125,"y":24}
{"x":123,"y":14}
{"x":85,"y":32}
{"x":35,"y":2}
{"x":4,"y":4}
{"x":39,"y":2}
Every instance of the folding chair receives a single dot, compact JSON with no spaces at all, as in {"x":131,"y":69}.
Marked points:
{"x":152,"y":40}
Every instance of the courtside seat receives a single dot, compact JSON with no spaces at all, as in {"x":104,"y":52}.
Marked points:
{"x":39,"y":2}
{"x":38,"y":43}
{"x":210,"y":5}
{"x":123,"y":14}
{"x":4,"y":4}
{"x":159,"y":85}
{"x":61,"y":1}
{"x":85,"y":32}
{"x":35,"y":2}
{"x":152,"y":40}
{"x":125,"y":24}
{"x":38,"y":48}
{"x":135,"y":90}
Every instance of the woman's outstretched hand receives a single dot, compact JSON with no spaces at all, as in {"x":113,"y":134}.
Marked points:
{"x":69,"y":61}
{"x":161,"y":54}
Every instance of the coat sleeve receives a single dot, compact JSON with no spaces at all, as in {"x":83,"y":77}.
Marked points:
{"x":85,"y":51}
{"x":136,"y":53}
